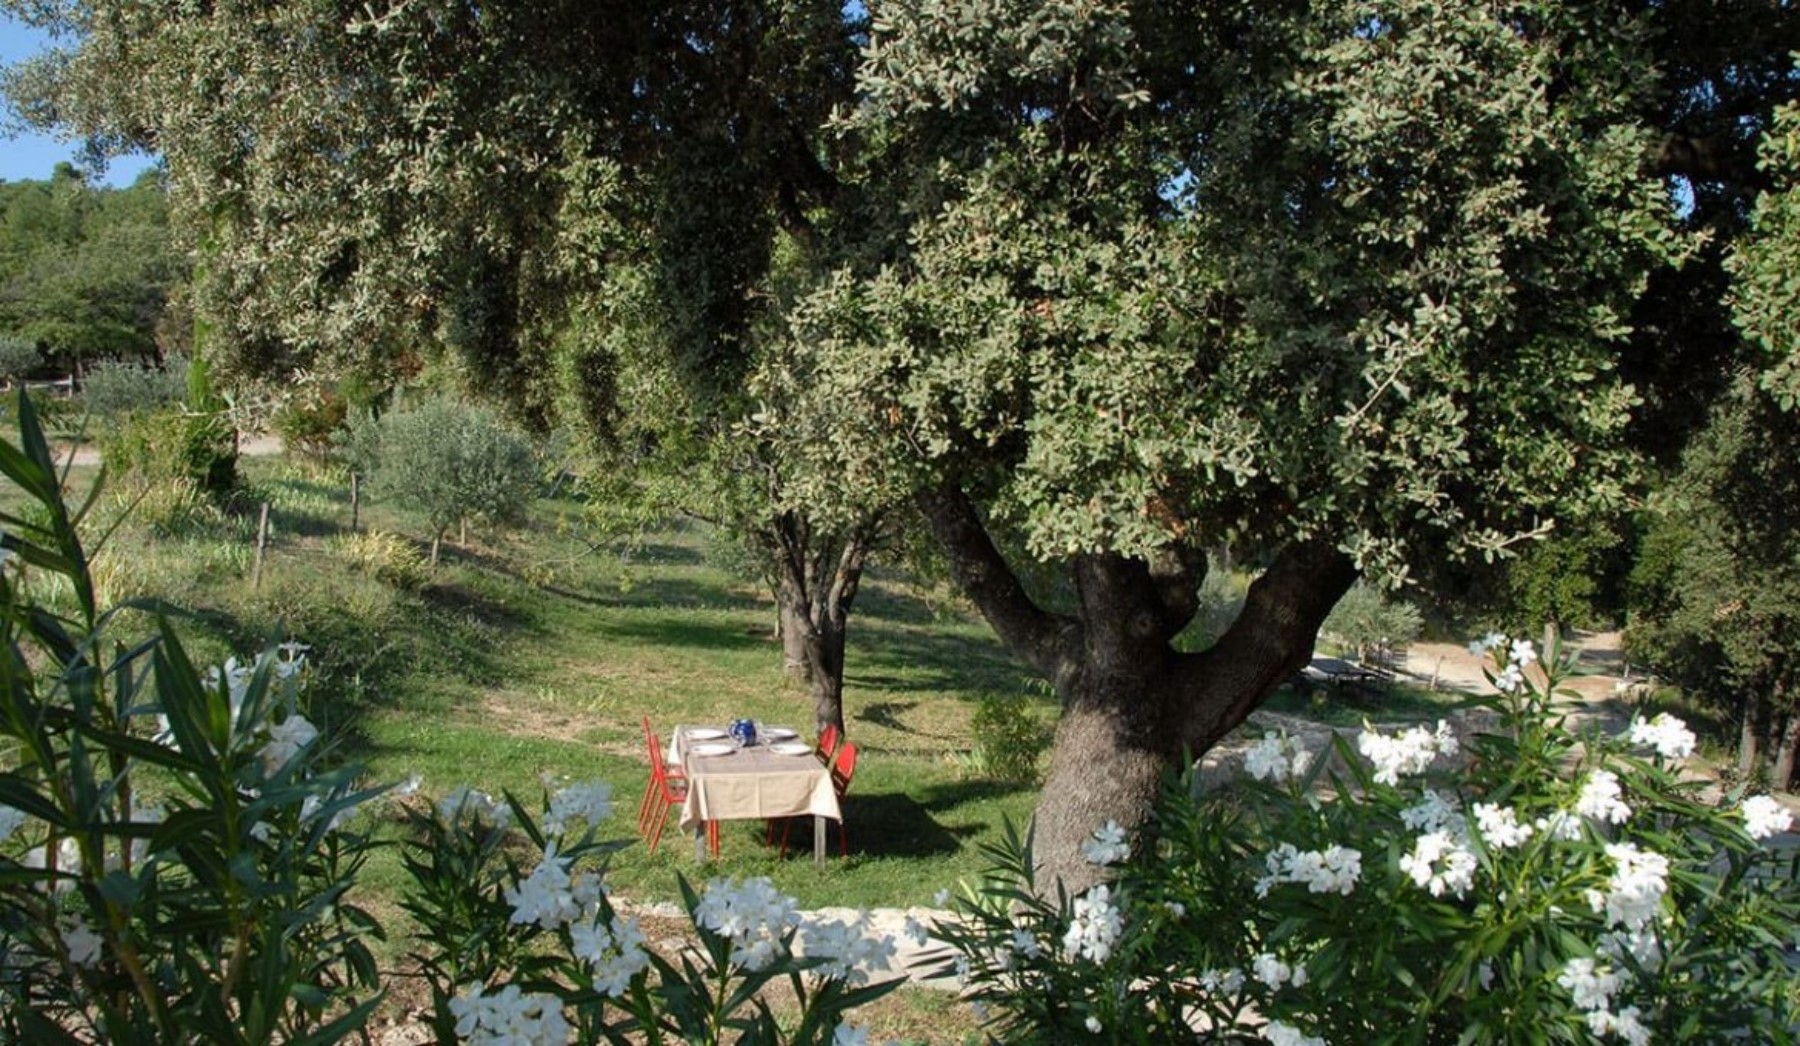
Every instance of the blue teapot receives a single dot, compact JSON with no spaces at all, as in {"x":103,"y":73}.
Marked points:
{"x":743,"y":731}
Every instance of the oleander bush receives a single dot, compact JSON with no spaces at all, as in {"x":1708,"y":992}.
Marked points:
{"x":1521,"y":883}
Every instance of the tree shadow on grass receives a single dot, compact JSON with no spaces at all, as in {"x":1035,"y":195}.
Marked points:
{"x":912,"y":660}
{"x":680,"y":629}
{"x":895,"y":824}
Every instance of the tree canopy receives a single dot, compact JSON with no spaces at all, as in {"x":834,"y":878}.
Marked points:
{"x":87,"y":273}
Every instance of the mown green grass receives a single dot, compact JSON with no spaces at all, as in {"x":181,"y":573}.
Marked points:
{"x":530,"y":657}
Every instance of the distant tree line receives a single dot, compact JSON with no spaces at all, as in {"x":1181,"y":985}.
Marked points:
{"x":87,"y":274}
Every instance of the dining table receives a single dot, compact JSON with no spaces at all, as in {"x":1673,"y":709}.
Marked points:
{"x":778,"y":776}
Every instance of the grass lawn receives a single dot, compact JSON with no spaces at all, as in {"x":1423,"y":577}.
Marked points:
{"x":529,"y":657}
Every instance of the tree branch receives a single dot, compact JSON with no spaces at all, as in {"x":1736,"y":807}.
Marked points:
{"x":1270,"y":640}
{"x":1048,"y":642}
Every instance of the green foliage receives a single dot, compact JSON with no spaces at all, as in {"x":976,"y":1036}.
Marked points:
{"x":112,"y":388}
{"x":214,"y":913}
{"x":1010,"y":738}
{"x":87,"y":272}
{"x":18,"y":357}
{"x":310,"y":420}
{"x":1378,"y":898}
{"x":1765,"y":298}
{"x":389,"y":558}
{"x":1368,"y":618}
{"x":173,"y":445}
{"x":1717,"y":586}
{"x":450,"y":462}
{"x":1575,"y":578}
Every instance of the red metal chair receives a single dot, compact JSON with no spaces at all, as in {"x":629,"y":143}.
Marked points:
{"x":828,"y":742}
{"x":843,"y":769}
{"x":666,"y":790}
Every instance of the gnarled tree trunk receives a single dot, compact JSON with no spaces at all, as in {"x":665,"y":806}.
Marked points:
{"x":1750,"y":733}
{"x":816,"y":580}
{"x":1133,"y":705}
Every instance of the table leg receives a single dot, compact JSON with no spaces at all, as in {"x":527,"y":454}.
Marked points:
{"x":818,"y":839}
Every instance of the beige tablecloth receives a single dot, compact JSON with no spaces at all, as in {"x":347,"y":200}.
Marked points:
{"x":751,"y":784}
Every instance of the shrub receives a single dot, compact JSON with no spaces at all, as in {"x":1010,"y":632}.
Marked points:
{"x":1558,"y":889}
{"x":113,"y":387}
{"x":451,"y":462}
{"x":389,"y":558}
{"x":173,"y":445}
{"x":1365,"y":619}
{"x":1009,"y":738}
{"x":309,"y":421}
{"x":18,"y":358}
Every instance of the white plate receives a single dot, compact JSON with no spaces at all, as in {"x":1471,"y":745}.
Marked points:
{"x":778,"y":733}
{"x":791,"y":748}
{"x":715,"y":748}
{"x":703,"y":733}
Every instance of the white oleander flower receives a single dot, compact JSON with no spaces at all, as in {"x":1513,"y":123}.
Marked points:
{"x":1273,"y":972}
{"x":1635,"y":891}
{"x":1600,"y":800}
{"x":546,"y":896}
{"x":754,"y":916}
{"x":1523,"y":653}
{"x":1094,"y":927}
{"x":1590,"y":985}
{"x":848,"y":1034}
{"x":1276,"y":758}
{"x":1435,"y":810}
{"x":613,"y":951}
{"x":589,"y":802}
{"x":1763,"y":816}
{"x":475,"y":806}
{"x":1440,"y":863}
{"x":286,"y":739}
{"x":1560,"y":824}
{"x":1092,"y":1024}
{"x":850,"y":949}
{"x":1407,"y":753}
{"x":917,"y":932}
{"x":1500,"y":826}
{"x":1624,"y":1024}
{"x":509,"y":1018}
{"x":1510,"y":680}
{"x":1278,"y":1033}
{"x":1026,"y":943}
{"x":1486,"y":643}
{"x":1640,"y":945}
{"x":1224,"y":982}
{"x":1334,"y":869}
{"x":1107,"y":845}
{"x":1668,"y":735}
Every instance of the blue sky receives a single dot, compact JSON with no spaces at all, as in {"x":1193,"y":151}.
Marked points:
{"x":35,"y":156}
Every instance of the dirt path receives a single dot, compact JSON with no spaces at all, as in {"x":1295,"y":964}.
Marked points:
{"x":1599,"y":655}
{"x":87,"y":454}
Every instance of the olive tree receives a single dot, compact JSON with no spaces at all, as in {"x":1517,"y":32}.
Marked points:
{"x":450,"y":462}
